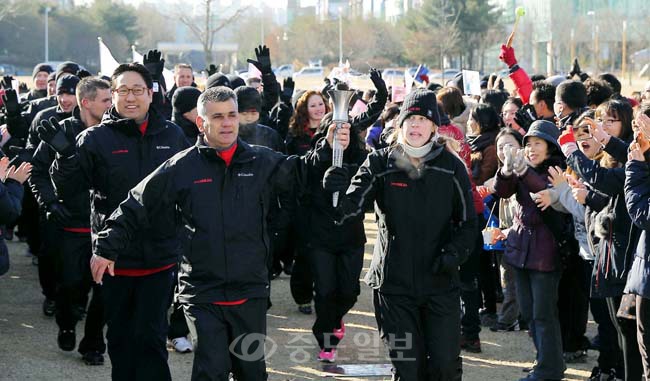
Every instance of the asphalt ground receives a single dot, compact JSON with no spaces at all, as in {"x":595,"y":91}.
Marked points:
{"x":28,"y":349}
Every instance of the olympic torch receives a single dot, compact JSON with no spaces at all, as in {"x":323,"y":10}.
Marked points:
{"x":341,"y":102}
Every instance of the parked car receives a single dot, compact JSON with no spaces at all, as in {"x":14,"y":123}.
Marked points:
{"x":393,"y":76}
{"x":448,"y":74}
{"x":310,"y":72}
{"x":284,"y":71}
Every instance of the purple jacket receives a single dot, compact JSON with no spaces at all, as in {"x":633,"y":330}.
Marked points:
{"x":530,"y":243}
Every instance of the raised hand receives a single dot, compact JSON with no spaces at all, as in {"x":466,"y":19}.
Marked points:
{"x":10,"y":100}
{"x":20,"y":174}
{"x":154,"y":63}
{"x":51,"y":132}
{"x":212,"y":69}
{"x":519,"y":164}
{"x":288,"y":85}
{"x":509,"y":153}
{"x":556,"y":176}
{"x":6,"y":82}
{"x":263,"y":63}
{"x":378,"y":81}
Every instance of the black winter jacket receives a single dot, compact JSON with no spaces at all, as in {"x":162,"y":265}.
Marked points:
{"x":111,"y":158}
{"x":41,"y":182}
{"x":189,"y":129}
{"x":422,"y":214}
{"x":323,"y":232}
{"x":224,"y":211}
{"x":609,"y":225}
{"x":262,"y":135}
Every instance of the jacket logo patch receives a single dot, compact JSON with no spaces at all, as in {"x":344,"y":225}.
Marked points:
{"x":163,"y":147}
{"x":245,"y":175}
{"x":203,"y":181}
{"x":399,"y":185}
{"x":119,"y":151}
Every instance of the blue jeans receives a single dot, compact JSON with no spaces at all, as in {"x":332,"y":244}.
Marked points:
{"x":537,"y":293}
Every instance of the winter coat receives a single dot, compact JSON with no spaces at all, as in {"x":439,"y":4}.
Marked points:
{"x":522,"y":82}
{"x":189,"y":129}
{"x":484,"y":157}
{"x":224,"y":213}
{"x":40,"y":180}
{"x":110,"y":159}
{"x":422,"y":213}
{"x":261,"y":135}
{"x":563,"y":201}
{"x":11,"y":197}
{"x":324,"y":233}
{"x":608,"y":222}
{"x":637,"y":199}
{"x":530,"y":244}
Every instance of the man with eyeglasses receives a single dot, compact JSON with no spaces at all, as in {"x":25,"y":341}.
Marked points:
{"x":132,"y":140}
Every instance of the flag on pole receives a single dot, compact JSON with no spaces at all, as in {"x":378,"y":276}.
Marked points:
{"x":408,"y":80}
{"x":107,"y":64}
{"x":167,"y":74}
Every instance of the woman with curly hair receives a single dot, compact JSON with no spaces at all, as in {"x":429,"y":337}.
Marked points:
{"x":311,"y":107}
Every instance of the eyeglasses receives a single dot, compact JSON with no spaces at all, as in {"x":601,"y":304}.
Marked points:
{"x":607,"y":121}
{"x":124,"y":91}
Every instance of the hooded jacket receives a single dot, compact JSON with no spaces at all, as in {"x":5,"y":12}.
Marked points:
{"x":223,"y":211}
{"x":111,"y":158}
{"x":423,"y":214}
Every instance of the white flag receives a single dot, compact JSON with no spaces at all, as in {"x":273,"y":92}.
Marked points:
{"x":167,"y":74}
{"x":107,"y":64}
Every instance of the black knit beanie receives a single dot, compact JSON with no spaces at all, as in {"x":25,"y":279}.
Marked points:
{"x":217,"y":79}
{"x":248,"y":98}
{"x":420,"y":102}
{"x":235,"y":81}
{"x":67,"y":67}
{"x":67,"y":84}
{"x":41,"y":67}
{"x":185,"y":99}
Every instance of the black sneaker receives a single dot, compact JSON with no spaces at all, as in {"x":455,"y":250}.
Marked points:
{"x":473,"y":346}
{"x":305,"y":308}
{"x":93,"y":358}
{"x":67,"y":339}
{"x":49,"y":307}
{"x":577,"y":357}
{"x":503,"y":327}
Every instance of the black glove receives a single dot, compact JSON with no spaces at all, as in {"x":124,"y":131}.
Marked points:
{"x":263,"y":62}
{"x":10,"y":100}
{"x":212,"y":69}
{"x":336,"y":179}
{"x":378,"y":81}
{"x":575,"y":69}
{"x":287,"y":90}
{"x":19,"y":155}
{"x":58,"y":213}
{"x":448,"y":261}
{"x":83,"y":73}
{"x":51,"y":132}
{"x":5,"y":83}
{"x":328,"y":86}
{"x":22,"y":88}
{"x":525,"y":116}
{"x":154,"y":63}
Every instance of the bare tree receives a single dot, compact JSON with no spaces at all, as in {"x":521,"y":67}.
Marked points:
{"x":206,"y":32}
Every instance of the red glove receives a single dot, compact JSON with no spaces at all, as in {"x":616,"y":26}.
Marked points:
{"x":507,"y":56}
{"x":568,"y":142}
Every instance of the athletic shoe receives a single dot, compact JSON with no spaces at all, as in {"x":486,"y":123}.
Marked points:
{"x":327,"y":356}
{"x":49,"y":307}
{"x":182,"y":345}
{"x":93,"y":358}
{"x":473,"y":346}
{"x":305,"y":308}
{"x":339,"y":333}
{"x":503,"y":327}
{"x":577,"y":357}
{"x":67,"y":339}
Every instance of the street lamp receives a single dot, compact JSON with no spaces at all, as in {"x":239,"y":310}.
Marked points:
{"x":340,"y":36}
{"x":47,"y":37}
{"x":593,"y":36}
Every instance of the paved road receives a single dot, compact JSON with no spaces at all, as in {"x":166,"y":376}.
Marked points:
{"x":28,"y":349}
